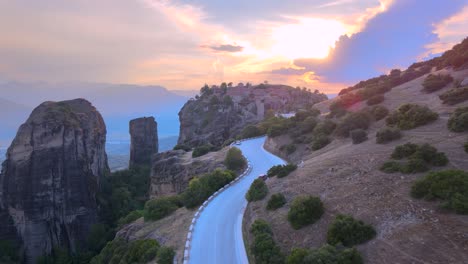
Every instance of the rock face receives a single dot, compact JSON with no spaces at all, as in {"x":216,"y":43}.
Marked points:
{"x":172,"y":170}
{"x":144,"y":140}
{"x":51,"y":175}
{"x":220,"y":113}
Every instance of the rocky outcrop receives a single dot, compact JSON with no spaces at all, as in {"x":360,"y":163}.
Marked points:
{"x":51,"y":175}
{"x":220,"y":113}
{"x":144,"y":140}
{"x":172,"y":170}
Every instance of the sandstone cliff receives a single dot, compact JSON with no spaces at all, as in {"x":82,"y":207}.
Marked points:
{"x":172,"y":170}
{"x":50,"y":177}
{"x":144,"y":140}
{"x":220,"y":113}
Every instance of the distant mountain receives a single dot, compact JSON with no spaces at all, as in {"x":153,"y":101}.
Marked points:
{"x":117,"y":103}
{"x":186,"y":93}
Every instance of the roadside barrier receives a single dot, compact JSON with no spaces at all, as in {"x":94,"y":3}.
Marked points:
{"x":197,"y":214}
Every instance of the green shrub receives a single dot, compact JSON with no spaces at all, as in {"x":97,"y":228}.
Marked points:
{"x":320,"y":142}
{"x":234,"y":160}
{"x":349,"y":231}
{"x":182,"y":147}
{"x":391,"y":167}
{"x":376,"y":99}
{"x":251,"y":131}
{"x":433,"y":83}
{"x":414,"y":165}
{"x":379,"y":112}
{"x":120,"y":251}
{"x":264,"y":248}
{"x":325,"y":127}
{"x":8,"y":252}
{"x":404,"y":151}
{"x":276,"y":201}
{"x":387,"y":134}
{"x":454,"y":96}
{"x":277,"y":130}
{"x":166,"y":255}
{"x":450,"y":186}
{"x":200,"y":189}
{"x":307,"y":126}
{"x":352,"y":121}
{"x":132,"y":216}
{"x":201,"y":150}
{"x":458,"y":121}
{"x":257,"y":191}
{"x":281,"y":170}
{"x":260,"y":226}
{"x":290,"y":149}
{"x":409,"y":116}
{"x":466,"y":147}
{"x":297,"y":256}
{"x":305,"y":210}
{"x":358,"y":136}
{"x":430,"y":155}
{"x":158,"y":208}
{"x":331,"y":254}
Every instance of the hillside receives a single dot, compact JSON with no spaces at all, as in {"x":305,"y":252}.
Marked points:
{"x":348,"y":180}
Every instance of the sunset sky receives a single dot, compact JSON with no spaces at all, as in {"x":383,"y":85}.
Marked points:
{"x":182,"y":44}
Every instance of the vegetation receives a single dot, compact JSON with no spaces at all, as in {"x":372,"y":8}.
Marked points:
{"x":376,"y":99}
{"x":120,"y":251}
{"x":276,"y":201}
{"x":234,"y":160}
{"x":349,"y":231}
{"x":378,"y":112}
{"x":165,"y":255}
{"x":320,"y":142}
{"x":326,"y":254}
{"x":132,"y":216}
{"x":450,"y":186}
{"x":281,"y":170}
{"x":352,"y":121}
{"x":409,"y":116}
{"x":182,"y":147}
{"x":264,"y":248}
{"x":201,"y":188}
{"x":434,"y":83}
{"x":290,"y":148}
{"x":420,"y":158}
{"x":455,"y":96}
{"x":305,"y":210}
{"x":257,"y":191}
{"x":466,"y":147}
{"x":159,"y":208}
{"x":458,"y":121}
{"x":251,"y":131}
{"x":358,"y":136}
{"x":202,"y":150}
{"x":387,"y":134}
{"x":8,"y":252}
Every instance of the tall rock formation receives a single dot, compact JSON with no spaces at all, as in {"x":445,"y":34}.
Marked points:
{"x":144,"y":140}
{"x":51,"y":175}
{"x":220,"y":113}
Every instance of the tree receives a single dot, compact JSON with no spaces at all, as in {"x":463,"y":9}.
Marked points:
{"x":305,"y":210}
{"x":234,"y":160}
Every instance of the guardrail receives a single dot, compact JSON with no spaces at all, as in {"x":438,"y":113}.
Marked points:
{"x":197,"y":214}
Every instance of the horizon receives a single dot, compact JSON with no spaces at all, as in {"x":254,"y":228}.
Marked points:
{"x":320,"y":45}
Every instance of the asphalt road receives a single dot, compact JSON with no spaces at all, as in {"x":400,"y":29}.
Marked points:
{"x":217,"y":236}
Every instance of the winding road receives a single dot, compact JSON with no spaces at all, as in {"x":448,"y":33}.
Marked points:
{"x":217,"y":234}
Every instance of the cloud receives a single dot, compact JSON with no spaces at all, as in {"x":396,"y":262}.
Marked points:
{"x":227,"y":48}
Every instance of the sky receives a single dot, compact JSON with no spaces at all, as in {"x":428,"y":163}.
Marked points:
{"x":183,"y":44}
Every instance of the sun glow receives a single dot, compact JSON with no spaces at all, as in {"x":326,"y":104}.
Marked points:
{"x":309,"y":38}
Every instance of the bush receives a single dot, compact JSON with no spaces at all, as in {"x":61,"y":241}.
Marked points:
{"x":454,"y":96}
{"x":414,"y":165}
{"x":450,"y":186}
{"x":378,"y":112}
{"x":434,"y":83}
{"x":325,"y":127}
{"x":305,"y":210}
{"x":391,"y":167}
{"x":352,"y":121}
{"x":166,"y":255}
{"x":281,"y":170}
{"x":251,"y":131}
{"x":257,"y":191}
{"x":386,"y":135}
{"x":201,"y":188}
{"x":264,"y":248}
{"x":202,"y":150}
{"x":404,"y":151}
{"x":120,"y":251}
{"x":409,"y":116}
{"x":234,"y":160}
{"x":320,"y":142}
{"x":297,"y":256}
{"x":8,"y":252}
{"x":132,"y":216}
{"x":458,"y":121}
{"x":358,"y":136}
{"x":376,"y":99}
{"x":159,"y":208}
{"x":349,"y":231}
{"x":326,"y":254}
{"x":466,"y":147}
{"x":182,"y":147}
{"x":290,"y":149}
{"x":276,"y":201}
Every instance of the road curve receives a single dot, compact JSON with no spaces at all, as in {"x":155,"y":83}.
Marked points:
{"x":217,"y":234}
